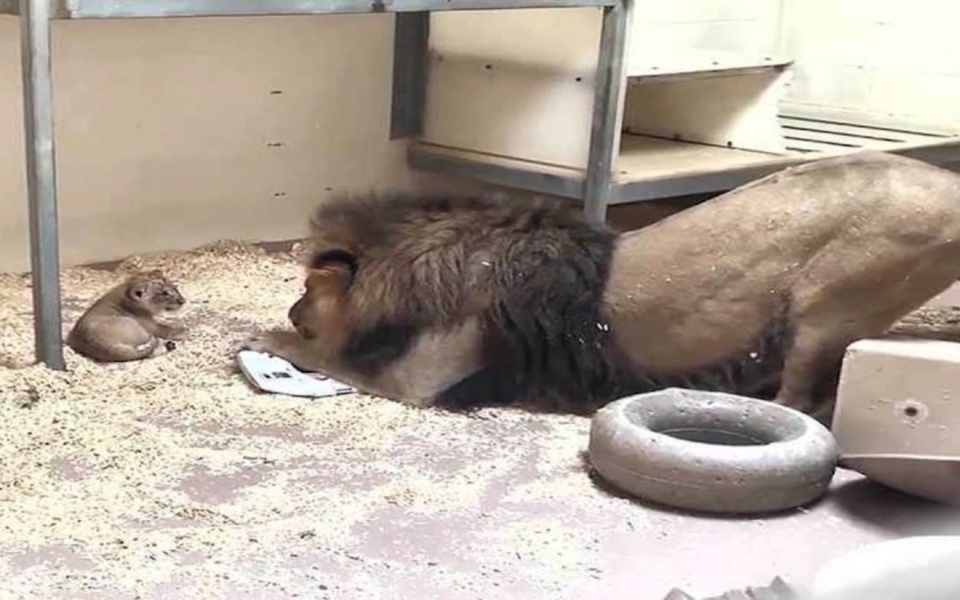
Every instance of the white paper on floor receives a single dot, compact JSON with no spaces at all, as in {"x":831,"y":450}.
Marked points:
{"x":275,"y":375}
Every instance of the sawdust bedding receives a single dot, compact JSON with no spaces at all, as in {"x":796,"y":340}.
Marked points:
{"x":125,"y":478}
{"x":173,"y":478}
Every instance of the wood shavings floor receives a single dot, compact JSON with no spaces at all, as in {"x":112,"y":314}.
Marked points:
{"x":172,"y":478}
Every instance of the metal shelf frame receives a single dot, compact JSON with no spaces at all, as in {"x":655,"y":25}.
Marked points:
{"x":412,"y":32}
{"x":146,"y":9}
{"x":659,"y":165}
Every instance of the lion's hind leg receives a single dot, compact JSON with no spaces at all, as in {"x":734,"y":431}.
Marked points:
{"x":833,"y":304}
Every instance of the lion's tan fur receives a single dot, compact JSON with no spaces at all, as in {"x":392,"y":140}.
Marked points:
{"x":845,"y":246}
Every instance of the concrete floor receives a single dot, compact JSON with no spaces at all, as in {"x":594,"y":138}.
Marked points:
{"x":612,"y":549}
{"x":633,"y":551}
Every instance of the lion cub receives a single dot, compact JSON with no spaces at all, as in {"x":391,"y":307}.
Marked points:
{"x":121,"y":325}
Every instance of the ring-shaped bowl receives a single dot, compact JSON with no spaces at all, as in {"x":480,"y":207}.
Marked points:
{"x":712,"y":451}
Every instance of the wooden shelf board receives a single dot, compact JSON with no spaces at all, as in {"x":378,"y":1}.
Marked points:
{"x":496,"y":160}
{"x":641,"y":157}
{"x":699,"y":64}
{"x":644,"y":158}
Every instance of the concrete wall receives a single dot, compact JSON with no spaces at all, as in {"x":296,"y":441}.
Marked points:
{"x":748,"y":26}
{"x":175,"y":133}
{"x":889,"y":62}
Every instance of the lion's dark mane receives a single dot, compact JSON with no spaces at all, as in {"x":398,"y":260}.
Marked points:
{"x":533,"y":270}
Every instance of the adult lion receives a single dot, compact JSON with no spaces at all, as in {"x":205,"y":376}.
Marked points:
{"x":465,"y":301}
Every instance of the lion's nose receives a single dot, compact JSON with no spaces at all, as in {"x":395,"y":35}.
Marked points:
{"x":294,"y":316}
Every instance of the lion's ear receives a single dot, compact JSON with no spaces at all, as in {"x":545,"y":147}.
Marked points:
{"x":332,"y":277}
{"x":333,"y":257}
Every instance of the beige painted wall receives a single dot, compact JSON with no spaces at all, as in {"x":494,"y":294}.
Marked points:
{"x":888,"y":62}
{"x":175,"y":133}
{"x":883,"y":62}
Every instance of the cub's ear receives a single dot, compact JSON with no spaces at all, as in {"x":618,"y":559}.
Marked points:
{"x":138,"y":289}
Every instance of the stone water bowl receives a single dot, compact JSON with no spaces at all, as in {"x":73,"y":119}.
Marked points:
{"x":712,"y":452}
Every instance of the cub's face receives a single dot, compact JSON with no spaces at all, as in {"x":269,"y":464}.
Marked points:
{"x":155,"y":293}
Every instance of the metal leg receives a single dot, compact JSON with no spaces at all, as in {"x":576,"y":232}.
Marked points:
{"x":604,"y":131}
{"x":410,"y":48}
{"x":41,"y":180}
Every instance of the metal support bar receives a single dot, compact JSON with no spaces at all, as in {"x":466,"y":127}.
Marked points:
{"x":41,"y":180}
{"x":607,"y":99}
{"x":134,"y":9}
{"x":411,"y":41}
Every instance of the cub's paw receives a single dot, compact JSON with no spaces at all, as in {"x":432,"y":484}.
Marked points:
{"x":177,"y":333}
